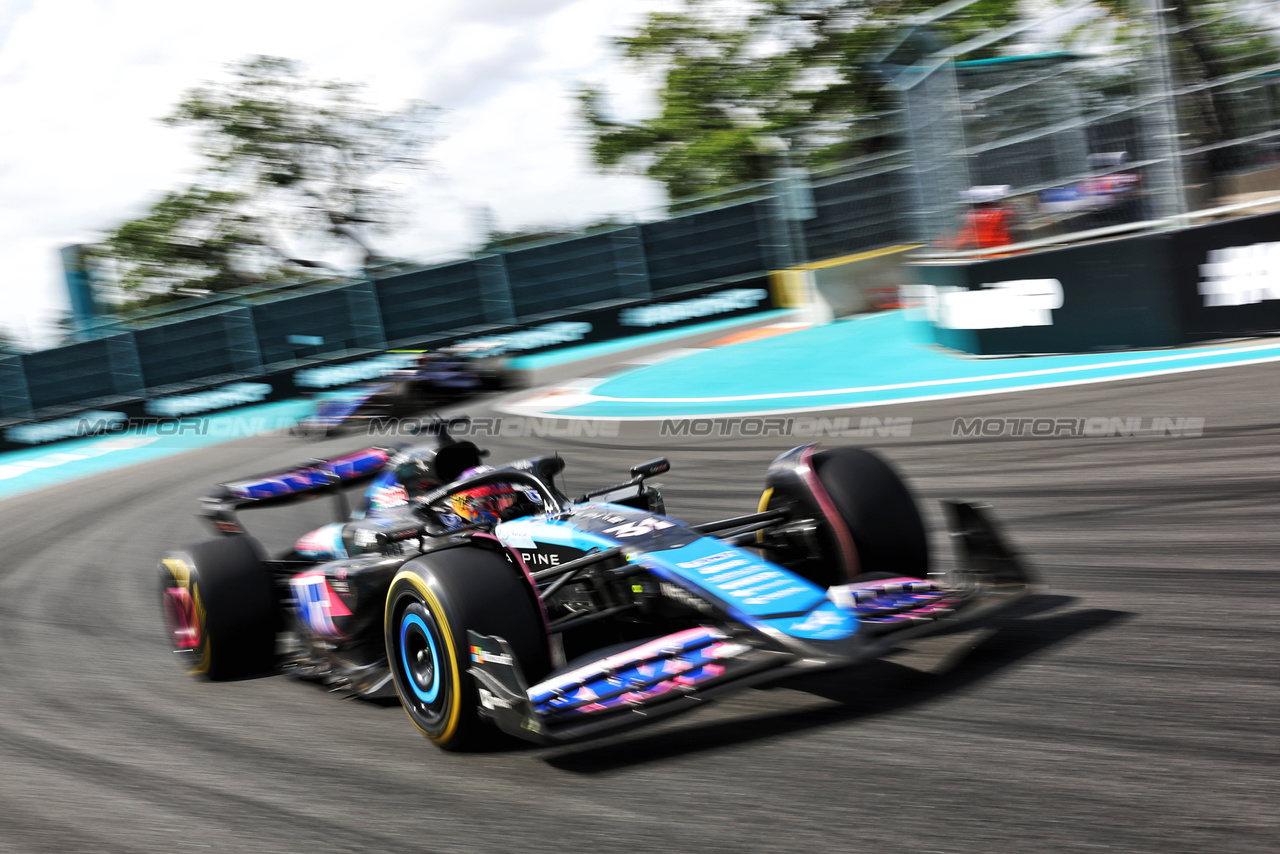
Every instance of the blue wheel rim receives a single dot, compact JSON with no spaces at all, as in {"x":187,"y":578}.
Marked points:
{"x":430,"y":695}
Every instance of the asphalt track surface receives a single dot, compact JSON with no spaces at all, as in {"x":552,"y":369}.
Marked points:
{"x":1132,"y":707}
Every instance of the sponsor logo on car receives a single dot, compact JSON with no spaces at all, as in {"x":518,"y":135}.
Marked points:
{"x":388,"y":496}
{"x":492,"y":701}
{"x":480,"y":655}
{"x":703,"y":561}
{"x":317,"y":604}
{"x":775,"y":595}
{"x":824,"y":622}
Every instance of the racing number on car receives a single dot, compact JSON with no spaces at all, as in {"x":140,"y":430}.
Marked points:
{"x":638,"y":528}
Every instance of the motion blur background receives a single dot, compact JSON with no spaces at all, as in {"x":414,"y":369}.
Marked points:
{"x":698,"y":141}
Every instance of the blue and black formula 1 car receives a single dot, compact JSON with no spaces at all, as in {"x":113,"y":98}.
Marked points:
{"x":488,"y":600}
{"x":436,"y":377}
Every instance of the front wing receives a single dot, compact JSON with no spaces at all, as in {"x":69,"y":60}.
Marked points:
{"x":679,"y":671}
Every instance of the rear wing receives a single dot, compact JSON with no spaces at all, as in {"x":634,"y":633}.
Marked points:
{"x":310,"y":478}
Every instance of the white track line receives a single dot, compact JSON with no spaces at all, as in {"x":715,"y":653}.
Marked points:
{"x":585,"y":399}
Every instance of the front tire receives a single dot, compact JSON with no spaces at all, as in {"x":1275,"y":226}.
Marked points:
{"x":433,"y":601}
{"x":879,"y":510}
{"x":221,"y":608}
{"x":867,"y":523}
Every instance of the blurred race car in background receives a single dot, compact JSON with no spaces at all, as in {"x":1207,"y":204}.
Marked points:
{"x":436,"y":377}
{"x":487,"y":600}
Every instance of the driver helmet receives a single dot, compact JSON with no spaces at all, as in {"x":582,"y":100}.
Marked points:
{"x":492,"y":503}
{"x":407,"y":475}
{"x":415,"y":470}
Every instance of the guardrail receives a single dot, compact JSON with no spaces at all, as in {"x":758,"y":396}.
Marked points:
{"x":601,"y":321}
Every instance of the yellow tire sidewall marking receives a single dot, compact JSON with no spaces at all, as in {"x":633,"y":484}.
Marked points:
{"x":437,"y":612}
{"x":181,"y":572}
{"x":179,"y":569}
{"x":206,"y":656}
{"x":763,"y":506}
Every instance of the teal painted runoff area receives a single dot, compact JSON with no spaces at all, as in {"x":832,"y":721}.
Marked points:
{"x":879,"y":359}
{"x":46,"y":465}
{"x":608,"y":348}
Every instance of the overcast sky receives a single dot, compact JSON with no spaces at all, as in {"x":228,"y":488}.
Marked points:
{"x":83,"y":82}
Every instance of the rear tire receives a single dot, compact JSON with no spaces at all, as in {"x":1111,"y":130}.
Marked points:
{"x":221,"y":608}
{"x":432,"y":603}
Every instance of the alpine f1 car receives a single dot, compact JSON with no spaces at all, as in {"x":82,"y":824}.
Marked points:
{"x":488,"y":600}
{"x":437,"y":377}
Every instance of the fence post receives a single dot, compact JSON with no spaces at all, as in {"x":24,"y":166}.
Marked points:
{"x":366,"y":316}
{"x":935,"y":137}
{"x":1167,"y":184}
{"x":15,"y":399}
{"x":495,"y":289}
{"x":630,"y":263}
{"x":774,"y":233}
{"x":242,"y":339}
{"x":123,"y":362}
{"x":795,"y":192}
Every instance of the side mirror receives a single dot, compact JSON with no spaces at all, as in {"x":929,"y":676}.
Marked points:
{"x":548,"y":467}
{"x":651,"y":468}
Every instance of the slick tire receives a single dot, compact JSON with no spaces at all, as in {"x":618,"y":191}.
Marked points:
{"x":221,"y":608}
{"x":879,"y":511}
{"x":432,"y":603}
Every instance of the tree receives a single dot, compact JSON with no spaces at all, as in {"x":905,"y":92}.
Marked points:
{"x":293,"y":171}
{"x":733,"y":83}
{"x":716,"y":101}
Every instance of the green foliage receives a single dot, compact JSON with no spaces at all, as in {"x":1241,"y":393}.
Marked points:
{"x":190,"y":238}
{"x":291,"y":169}
{"x":498,"y":240}
{"x":734,"y":78}
{"x":732,"y":84}
{"x":717,"y":99}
